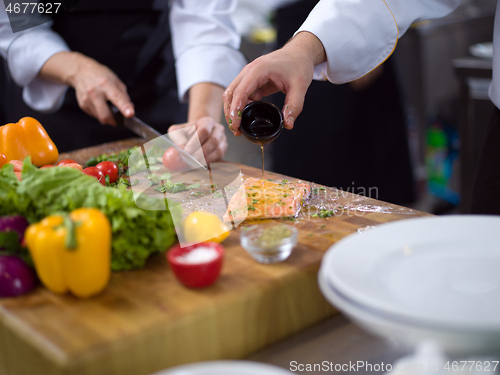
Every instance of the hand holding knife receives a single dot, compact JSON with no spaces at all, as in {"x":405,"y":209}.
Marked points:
{"x":148,"y":133}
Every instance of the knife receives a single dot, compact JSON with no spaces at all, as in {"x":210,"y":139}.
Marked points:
{"x":148,"y":133}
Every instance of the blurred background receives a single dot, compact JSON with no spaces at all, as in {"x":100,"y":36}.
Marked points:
{"x":441,"y":69}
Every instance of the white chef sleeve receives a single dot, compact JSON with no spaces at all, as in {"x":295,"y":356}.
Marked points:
{"x":494,"y":91}
{"x":25,"y":52}
{"x":359,"y":35}
{"x":205,"y":43}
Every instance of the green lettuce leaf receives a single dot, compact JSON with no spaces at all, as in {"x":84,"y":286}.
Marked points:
{"x":137,"y":233}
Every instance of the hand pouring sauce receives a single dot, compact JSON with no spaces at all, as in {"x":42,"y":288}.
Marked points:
{"x":261,"y":123}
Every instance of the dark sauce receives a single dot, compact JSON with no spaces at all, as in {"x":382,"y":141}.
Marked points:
{"x":261,"y":123}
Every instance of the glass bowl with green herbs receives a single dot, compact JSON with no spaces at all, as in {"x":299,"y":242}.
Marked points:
{"x":269,"y":243}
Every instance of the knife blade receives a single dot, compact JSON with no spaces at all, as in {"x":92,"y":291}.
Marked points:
{"x":145,"y":131}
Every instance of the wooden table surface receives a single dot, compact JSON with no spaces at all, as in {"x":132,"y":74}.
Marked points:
{"x":146,"y":321}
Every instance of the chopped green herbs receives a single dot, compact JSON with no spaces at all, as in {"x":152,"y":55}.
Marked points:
{"x":153,"y":179}
{"x":170,"y":187}
{"x":274,"y":235}
{"x":324,"y":213}
{"x":197,"y":193}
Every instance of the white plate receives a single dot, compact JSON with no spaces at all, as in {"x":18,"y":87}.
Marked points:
{"x":225,"y":368}
{"x":426,"y":275}
{"x":453,"y":342}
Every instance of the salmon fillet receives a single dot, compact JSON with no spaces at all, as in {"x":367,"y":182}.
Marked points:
{"x":262,"y":199}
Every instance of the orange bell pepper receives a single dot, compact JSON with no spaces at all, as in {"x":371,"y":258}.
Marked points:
{"x":73,"y":252}
{"x":27,"y":138}
{"x":3,"y":160}
{"x":13,"y":143}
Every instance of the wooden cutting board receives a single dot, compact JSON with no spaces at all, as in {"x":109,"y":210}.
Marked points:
{"x":146,"y":321}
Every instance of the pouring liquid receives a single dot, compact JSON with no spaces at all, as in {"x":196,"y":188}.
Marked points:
{"x":262,"y":132}
{"x":262,"y":149}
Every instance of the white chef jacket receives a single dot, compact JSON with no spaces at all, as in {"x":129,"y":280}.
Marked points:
{"x":494,"y":91}
{"x":204,"y":40}
{"x":358,"y":35}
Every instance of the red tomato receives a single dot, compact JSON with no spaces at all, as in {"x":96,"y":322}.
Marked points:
{"x":108,"y":168}
{"x":3,"y":160}
{"x":66,"y":161}
{"x":72,"y":165}
{"x":173,"y":161}
{"x":94,"y":172}
{"x":18,"y":165}
{"x":46,"y":166}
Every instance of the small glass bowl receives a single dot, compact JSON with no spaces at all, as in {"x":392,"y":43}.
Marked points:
{"x":268,"y":253}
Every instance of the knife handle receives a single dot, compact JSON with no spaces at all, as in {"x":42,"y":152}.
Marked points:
{"x":118,"y":116}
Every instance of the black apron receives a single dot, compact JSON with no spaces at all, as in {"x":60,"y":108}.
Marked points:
{"x":352,"y":140}
{"x":486,"y":193}
{"x":133,"y":40}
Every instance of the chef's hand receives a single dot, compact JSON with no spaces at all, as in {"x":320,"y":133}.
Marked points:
{"x":95,"y":84}
{"x":289,"y":70}
{"x":205,"y":132}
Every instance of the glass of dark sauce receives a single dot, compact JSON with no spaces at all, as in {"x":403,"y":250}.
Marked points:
{"x":261,"y":123}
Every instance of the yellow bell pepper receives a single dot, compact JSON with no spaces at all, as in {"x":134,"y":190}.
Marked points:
{"x":72,"y":253}
{"x":201,"y":226}
{"x":27,"y":138}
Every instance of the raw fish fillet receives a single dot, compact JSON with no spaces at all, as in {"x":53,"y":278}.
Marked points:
{"x":263,"y":199}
